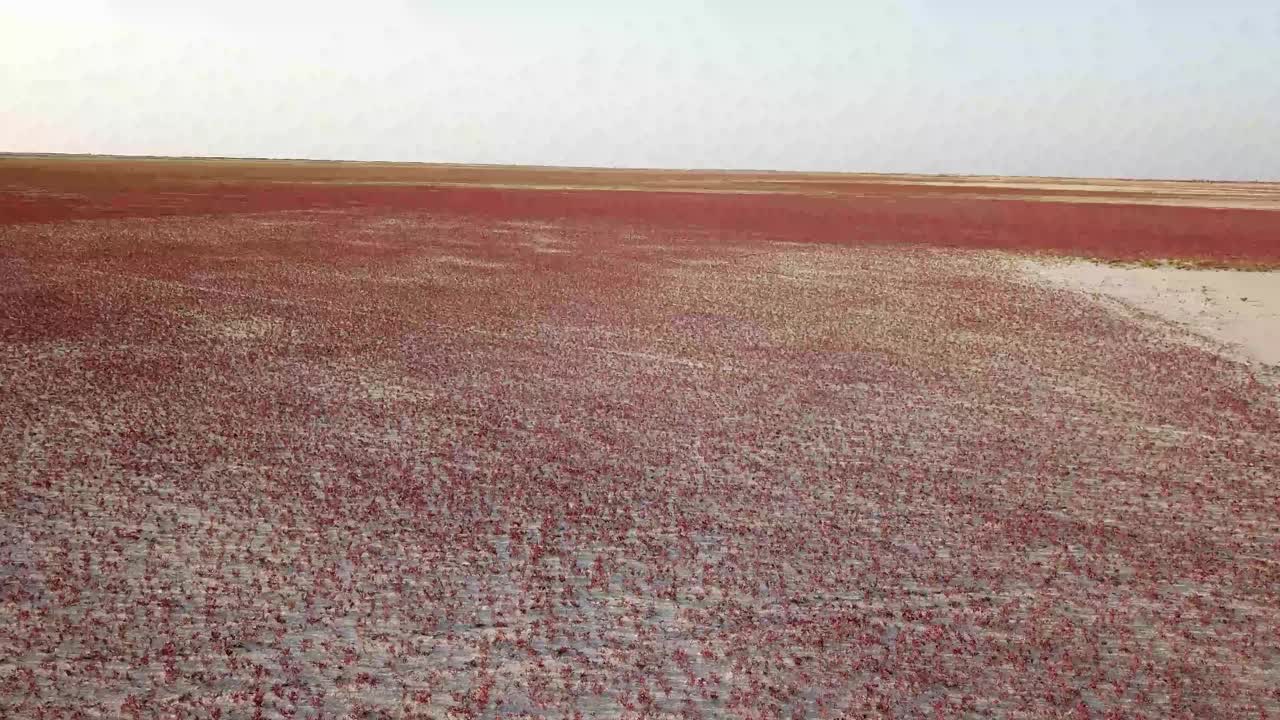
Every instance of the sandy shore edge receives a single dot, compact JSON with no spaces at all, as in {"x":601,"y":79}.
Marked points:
{"x":1231,"y":312}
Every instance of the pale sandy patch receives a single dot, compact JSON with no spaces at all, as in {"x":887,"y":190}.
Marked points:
{"x":1201,"y":201}
{"x":410,"y":222}
{"x":466,"y":262}
{"x":246,"y":328}
{"x":446,"y":271}
{"x":651,"y":247}
{"x":1237,"y":312}
{"x":544,"y":244}
{"x":391,"y":222}
{"x":528,"y":225}
{"x":281,"y":220}
{"x":703,"y":262}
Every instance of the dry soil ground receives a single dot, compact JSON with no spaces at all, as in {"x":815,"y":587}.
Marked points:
{"x":1237,"y":313}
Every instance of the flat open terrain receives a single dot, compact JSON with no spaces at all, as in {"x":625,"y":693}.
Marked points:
{"x":1232,"y":312}
{"x":278,"y":445}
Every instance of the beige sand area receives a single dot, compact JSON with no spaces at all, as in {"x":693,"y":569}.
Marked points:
{"x":1234,"y":312}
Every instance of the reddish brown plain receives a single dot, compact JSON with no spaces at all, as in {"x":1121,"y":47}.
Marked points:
{"x":366,"y":440}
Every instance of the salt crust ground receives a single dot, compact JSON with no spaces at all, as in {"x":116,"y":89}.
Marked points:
{"x":1238,"y":313}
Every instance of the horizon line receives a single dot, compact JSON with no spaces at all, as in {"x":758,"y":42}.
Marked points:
{"x":624,"y":168}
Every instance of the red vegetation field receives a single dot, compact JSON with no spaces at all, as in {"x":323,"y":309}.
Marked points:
{"x":323,"y":451}
{"x":809,"y":208}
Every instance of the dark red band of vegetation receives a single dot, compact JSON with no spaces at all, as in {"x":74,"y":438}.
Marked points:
{"x":1108,"y":231}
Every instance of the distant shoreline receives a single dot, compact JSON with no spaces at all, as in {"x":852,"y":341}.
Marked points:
{"x":951,"y":176}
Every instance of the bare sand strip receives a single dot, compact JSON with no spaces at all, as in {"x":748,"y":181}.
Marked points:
{"x":1237,"y":313}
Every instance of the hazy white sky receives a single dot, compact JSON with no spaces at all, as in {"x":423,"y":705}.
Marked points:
{"x":1147,"y":88}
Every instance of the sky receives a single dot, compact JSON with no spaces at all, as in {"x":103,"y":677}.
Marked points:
{"x":1145,"y":88}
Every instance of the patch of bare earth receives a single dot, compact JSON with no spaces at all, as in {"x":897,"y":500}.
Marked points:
{"x":1237,"y":313}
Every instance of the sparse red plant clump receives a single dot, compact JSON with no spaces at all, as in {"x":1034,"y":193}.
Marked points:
{"x":480,"y":453}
